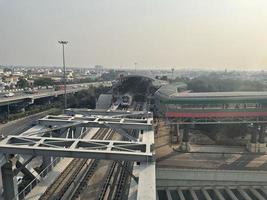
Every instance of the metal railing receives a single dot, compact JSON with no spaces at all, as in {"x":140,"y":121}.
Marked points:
{"x":36,"y":180}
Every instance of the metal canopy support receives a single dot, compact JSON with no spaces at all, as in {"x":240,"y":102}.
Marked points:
{"x":23,"y":165}
{"x":244,"y":194}
{"x":181,"y":195}
{"x":122,"y":132}
{"x":193,"y":194}
{"x":24,"y":170}
{"x":257,"y":194}
{"x":169,"y":197}
{"x":218,"y":194}
{"x":231,"y":194}
{"x":147,"y":174}
{"x":206,"y":194}
{"x":77,"y":148}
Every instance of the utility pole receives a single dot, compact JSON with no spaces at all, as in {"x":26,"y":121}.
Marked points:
{"x":135,"y":64}
{"x":172,"y":72}
{"x":64,"y":72}
{"x":8,"y":111}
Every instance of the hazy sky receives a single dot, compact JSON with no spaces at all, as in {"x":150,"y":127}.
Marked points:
{"x":162,"y":33}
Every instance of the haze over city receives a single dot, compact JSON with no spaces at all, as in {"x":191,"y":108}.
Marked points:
{"x":133,"y":100}
{"x":154,"y":33}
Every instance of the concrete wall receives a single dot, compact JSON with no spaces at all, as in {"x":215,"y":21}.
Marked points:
{"x":166,"y":177}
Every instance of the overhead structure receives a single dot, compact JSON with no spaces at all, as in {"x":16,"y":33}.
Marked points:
{"x":101,"y":122}
{"x":186,"y":107}
{"x":120,"y":125}
{"x":109,"y":113}
{"x":53,"y":137}
{"x":77,"y":148}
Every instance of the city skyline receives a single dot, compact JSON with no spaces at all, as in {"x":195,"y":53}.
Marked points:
{"x":180,"y":34}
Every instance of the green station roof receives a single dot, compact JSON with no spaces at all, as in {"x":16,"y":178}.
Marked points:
{"x":169,"y":95}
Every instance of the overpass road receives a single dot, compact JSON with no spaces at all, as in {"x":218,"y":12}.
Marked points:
{"x":73,"y":88}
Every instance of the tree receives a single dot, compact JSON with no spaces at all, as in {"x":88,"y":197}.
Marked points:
{"x":22,"y":83}
{"x":44,"y":82}
{"x":213,"y":83}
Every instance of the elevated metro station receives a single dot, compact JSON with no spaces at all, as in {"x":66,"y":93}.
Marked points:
{"x":187,"y":109}
{"x":153,"y":154}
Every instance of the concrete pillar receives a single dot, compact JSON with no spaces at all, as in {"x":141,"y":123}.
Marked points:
{"x":175,"y":133}
{"x":186,"y":134}
{"x":9,"y":180}
{"x":185,"y":146}
{"x":262,"y":134}
{"x":253,"y":146}
{"x":262,"y":144}
{"x":254,"y":134}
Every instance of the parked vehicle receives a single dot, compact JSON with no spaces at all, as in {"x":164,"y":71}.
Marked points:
{"x":31,"y":91}
{"x":10,"y":94}
{"x":59,"y":87}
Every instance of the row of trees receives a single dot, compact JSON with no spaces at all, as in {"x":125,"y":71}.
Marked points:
{"x":86,"y":98}
{"x":23,"y":83}
{"x":215,"y":84}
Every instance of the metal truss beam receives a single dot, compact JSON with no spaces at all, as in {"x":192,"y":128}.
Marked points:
{"x":123,"y":133}
{"x":77,"y":148}
{"x":111,"y":113}
{"x":101,"y":122}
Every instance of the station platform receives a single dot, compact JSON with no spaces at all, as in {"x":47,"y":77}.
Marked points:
{"x":205,"y":156}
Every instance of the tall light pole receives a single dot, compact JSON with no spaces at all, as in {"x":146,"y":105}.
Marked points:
{"x":64,"y":71}
{"x":135,"y":66}
{"x":172,"y":72}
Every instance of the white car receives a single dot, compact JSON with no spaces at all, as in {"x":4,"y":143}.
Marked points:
{"x":10,"y":94}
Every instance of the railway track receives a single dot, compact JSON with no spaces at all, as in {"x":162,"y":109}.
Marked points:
{"x":107,"y":184}
{"x":123,"y":180}
{"x":67,"y":177}
{"x":116,"y":183}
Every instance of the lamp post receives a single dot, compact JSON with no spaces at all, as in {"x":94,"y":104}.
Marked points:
{"x":135,"y":66}
{"x":64,"y":71}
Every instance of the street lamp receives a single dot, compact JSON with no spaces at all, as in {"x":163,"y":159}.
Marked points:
{"x":135,"y":64}
{"x":64,"y":71}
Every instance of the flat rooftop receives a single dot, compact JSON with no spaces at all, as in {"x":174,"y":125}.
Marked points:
{"x":220,"y":94}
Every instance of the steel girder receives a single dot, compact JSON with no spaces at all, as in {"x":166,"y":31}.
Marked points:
{"x":77,"y":148}
{"x":120,"y":125}
{"x":101,"y":122}
{"x":110,"y":113}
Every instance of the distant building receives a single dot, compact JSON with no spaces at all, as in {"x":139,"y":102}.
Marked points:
{"x":12,"y":79}
{"x":99,"y":69}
